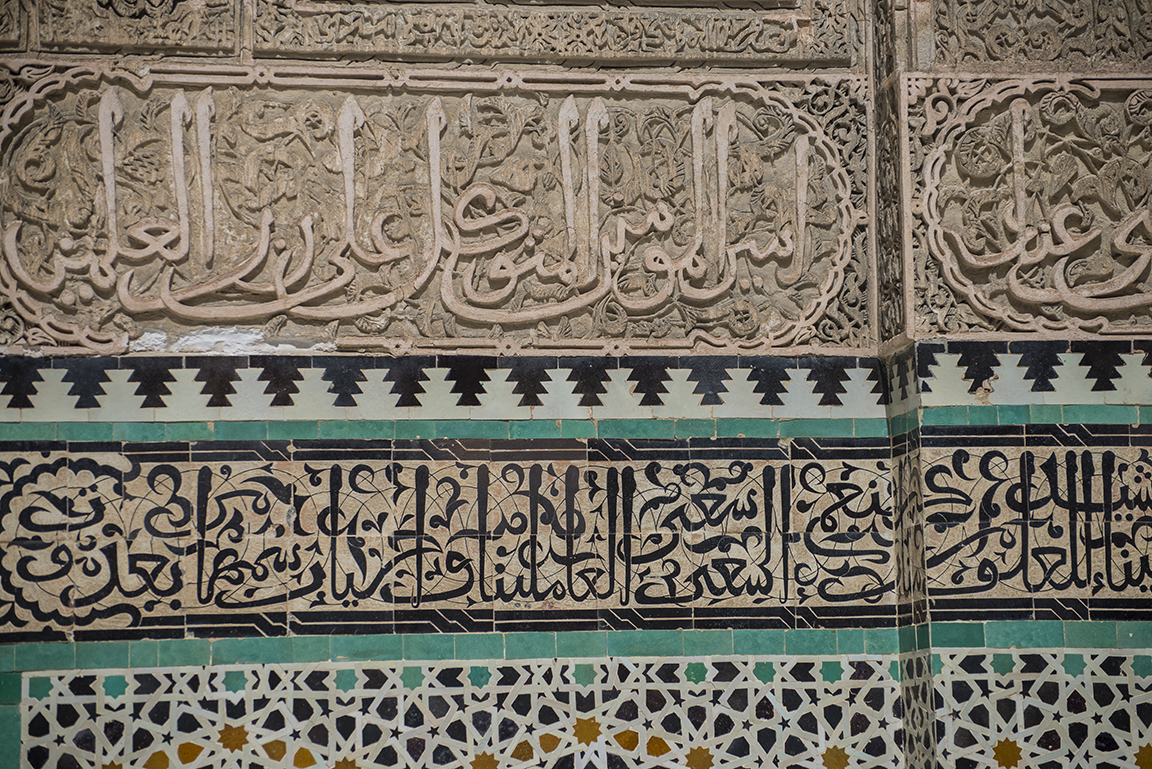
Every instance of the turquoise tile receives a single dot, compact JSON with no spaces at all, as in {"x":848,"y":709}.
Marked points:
{"x":1090,"y":635}
{"x":1027,"y":634}
{"x":479,"y":646}
{"x":695,"y":428}
{"x":907,"y":639}
{"x":706,"y":643}
{"x":870,"y":428}
{"x":363,"y":648}
{"x":102,"y":654}
{"x":415,"y":428}
{"x":7,"y":658}
{"x":241,"y":431}
{"x":472,"y":428}
{"x":582,"y":644}
{"x":1129,"y":635}
{"x":412,"y":676}
{"x":745,"y":641}
{"x":923,"y":637}
{"x":1099,"y":414}
{"x":816,"y":428}
{"x":480,"y":675}
{"x":1046,"y":415}
{"x":10,"y":691}
{"x":957,"y":634}
{"x":1074,"y":664}
{"x":636,"y":428}
{"x":28,"y":431}
{"x":577,"y":428}
{"x":584,"y":674}
{"x":1142,"y":665}
{"x":143,"y":654}
{"x":695,"y":672}
{"x":748,"y":428}
{"x":645,"y":643}
{"x":292,"y":430}
{"x":982,"y":415}
{"x":311,"y":648}
{"x":138,"y":431}
{"x":188,"y":431}
{"x":10,"y":735}
{"x":881,"y":640}
{"x":115,"y":686}
{"x":346,"y":679}
{"x":238,"y":651}
{"x":944,"y":415}
{"x":832,"y":671}
{"x":527,"y":429}
{"x":765,"y":672}
{"x":529,"y":645}
{"x":235,"y":680}
{"x":429,"y":646}
{"x":810,"y":641}
{"x":337,"y":429}
{"x":1146,"y":415}
{"x":39,"y":687}
{"x":1013,"y":415}
{"x":49,"y":656}
{"x":84,"y":431}
{"x":184,"y":652}
{"x":849,"y":641}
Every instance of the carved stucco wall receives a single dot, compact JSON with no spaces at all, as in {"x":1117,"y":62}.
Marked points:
{"x":499,"y":385}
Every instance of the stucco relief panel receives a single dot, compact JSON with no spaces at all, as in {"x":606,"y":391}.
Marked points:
{"x":1031,"y":204}
{"x":208,"y":26}
{"x":505,"y":210}
{"x":766,"y":33}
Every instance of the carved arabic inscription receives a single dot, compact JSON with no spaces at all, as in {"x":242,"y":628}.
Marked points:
{"x":675,"y":215}
{"x":1037,"y":203}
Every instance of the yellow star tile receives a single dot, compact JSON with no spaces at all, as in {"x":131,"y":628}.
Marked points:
{"x":699,"y":758}
{"x":233,"y":737}
{"x":835,"y":758}
{"x":1007,"y":754}
{"x":587,"y":730}
{"x":485,"y":761}
{"x":1144,"y":757}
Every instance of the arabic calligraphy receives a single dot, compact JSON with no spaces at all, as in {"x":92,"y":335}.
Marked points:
{"x":1037,"y":204}
{"x":720,"y":219}
{"x":1074,"y":523}
{"x":105,"y":541}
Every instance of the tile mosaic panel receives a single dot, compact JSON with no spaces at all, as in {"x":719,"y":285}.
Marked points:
{"x":267,"y":538}
{"x":699,"y":712}
{"x":464,"y":210}
{"x":337,"y":387}
{"x":1044,"y":521}
{"x":1047,"y":708}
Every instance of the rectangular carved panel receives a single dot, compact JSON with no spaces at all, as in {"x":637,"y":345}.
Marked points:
{"x":263,"y":538}
{"x":502,"y":210}
{"x":207,"y":26}
{"x":1060,"y":34}
{"x":820,"y":31}
{"x":1030,"y":204}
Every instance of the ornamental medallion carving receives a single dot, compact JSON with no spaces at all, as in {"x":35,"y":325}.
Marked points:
{"x":497,"y":209}
{"x":1035,"y":200}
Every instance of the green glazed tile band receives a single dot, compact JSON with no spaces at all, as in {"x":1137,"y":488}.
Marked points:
{"x":658,"y":429}
{"x":19,"y":658}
